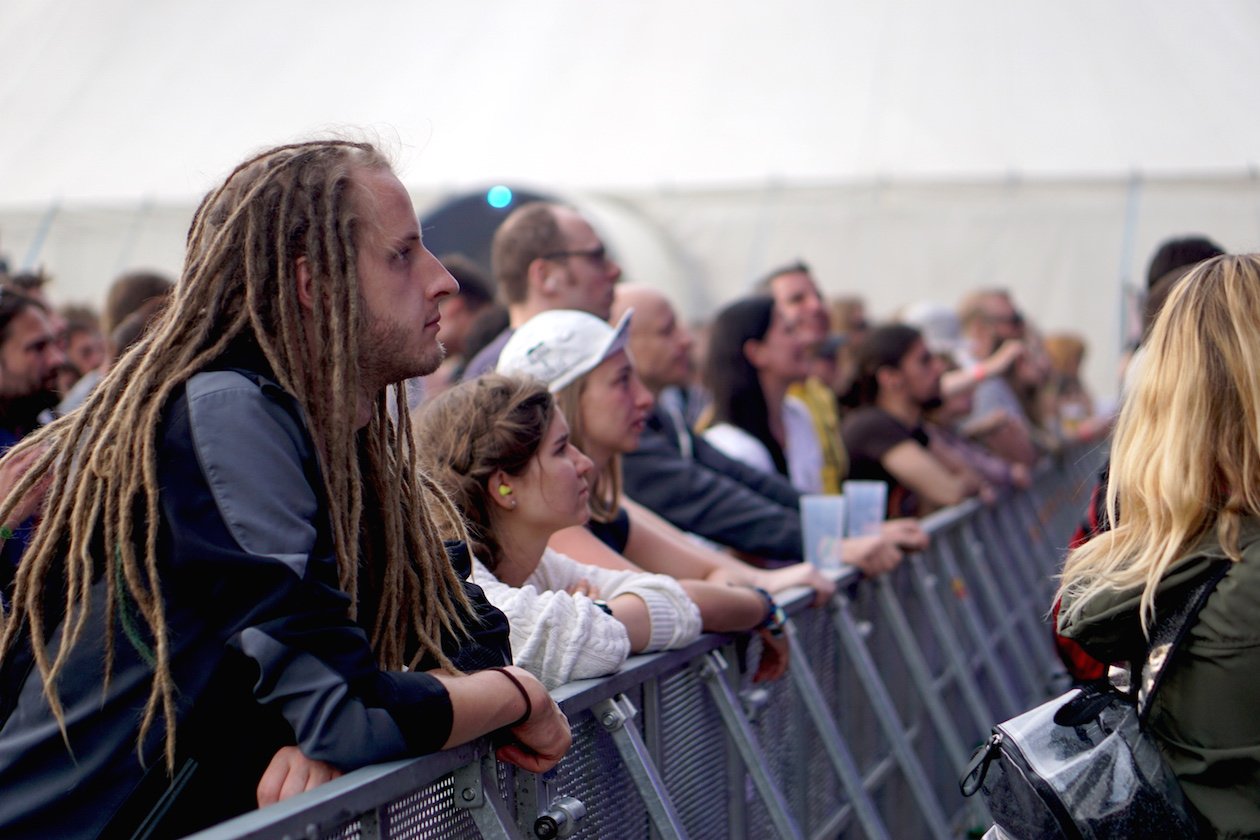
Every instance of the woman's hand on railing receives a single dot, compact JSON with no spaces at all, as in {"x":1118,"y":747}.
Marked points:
{"x":798,"y":574}
{"x":775,"y":655}
{"x":541,"y":741}
{"x":290,"y":773}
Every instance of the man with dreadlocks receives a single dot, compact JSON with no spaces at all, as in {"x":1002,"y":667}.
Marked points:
{"x":238,"y":552}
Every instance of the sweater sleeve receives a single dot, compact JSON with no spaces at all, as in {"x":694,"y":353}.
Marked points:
{"x":556,"y":636}
{"x":675,"y":619}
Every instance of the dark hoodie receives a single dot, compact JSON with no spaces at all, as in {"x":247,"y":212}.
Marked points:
{"x":1207,"y":715}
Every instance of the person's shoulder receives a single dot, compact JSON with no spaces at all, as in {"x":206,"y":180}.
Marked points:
{"x":866,"y":419}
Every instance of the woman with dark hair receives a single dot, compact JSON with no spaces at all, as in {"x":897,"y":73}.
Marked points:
{"x":501,"y":450}
{"x":754,"y":357}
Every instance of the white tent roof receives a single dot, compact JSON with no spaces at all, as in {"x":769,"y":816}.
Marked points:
{"x":123,"y":99}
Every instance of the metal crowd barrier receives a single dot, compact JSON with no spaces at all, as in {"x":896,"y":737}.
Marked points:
{"x":891,"y":686}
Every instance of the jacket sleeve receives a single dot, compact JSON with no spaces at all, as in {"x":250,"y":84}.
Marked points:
{"x":556,"y":636}
{"x":696,"y":497}
{"x":243,"y":508}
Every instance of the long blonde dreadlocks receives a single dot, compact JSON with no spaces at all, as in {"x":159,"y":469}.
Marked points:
{"x":291,"y":202}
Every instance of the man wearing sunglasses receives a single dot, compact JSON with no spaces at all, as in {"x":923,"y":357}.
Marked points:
{"x":546,"y":256}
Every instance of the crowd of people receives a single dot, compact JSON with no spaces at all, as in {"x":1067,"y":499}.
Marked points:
{"x":317,"y":505}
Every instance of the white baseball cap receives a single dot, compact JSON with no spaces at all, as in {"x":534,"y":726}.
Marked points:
{"x":562,"y":345}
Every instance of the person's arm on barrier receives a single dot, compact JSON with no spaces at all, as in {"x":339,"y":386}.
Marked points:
{"x":490,"y":700}
{"x":917,"y":469}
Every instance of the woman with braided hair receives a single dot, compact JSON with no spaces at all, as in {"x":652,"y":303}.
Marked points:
{"x":238,"y":552}
{"x":501,"y":449}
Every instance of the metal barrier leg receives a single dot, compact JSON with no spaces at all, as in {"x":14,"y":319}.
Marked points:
{"x":741,"y":734}
{"x":926,"y":584}
{"x":489,"y":812}
{"x":982,"y":640}
{"x":833,"y":742}
{"x":890,"y":722}
{"x":614,"y":714}
{"x":1007,"y":615}
{"x":921,"y":673}
{"x":1024,"y":599}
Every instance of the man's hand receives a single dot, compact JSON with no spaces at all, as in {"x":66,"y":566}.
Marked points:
{"x":290,"y":773}
{"x":906,"y":533}
{"x":541,"y":741}
{"x":873,"y":555}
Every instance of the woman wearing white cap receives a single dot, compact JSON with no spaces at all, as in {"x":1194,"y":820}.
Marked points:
{"x":584,"y":362}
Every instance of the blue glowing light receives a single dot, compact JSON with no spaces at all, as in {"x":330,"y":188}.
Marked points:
{"x":498,"y":197}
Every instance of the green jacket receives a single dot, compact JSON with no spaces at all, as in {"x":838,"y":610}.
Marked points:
{"x":1207,"y":714}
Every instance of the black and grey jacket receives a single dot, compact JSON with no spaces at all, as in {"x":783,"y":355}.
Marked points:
{"x":710,"y":494}
{"x":261,"y":647}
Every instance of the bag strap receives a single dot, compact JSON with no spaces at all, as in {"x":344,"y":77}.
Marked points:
{"x":1168,"y":634}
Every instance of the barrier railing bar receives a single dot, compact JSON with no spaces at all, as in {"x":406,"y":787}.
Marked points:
{"x":614,"y":715}
{"x":713,"y":672}
{"x":489,"y":812}
{"x":833,"y":742}
{"x":886,"y":713}
{"x":342,"y":800}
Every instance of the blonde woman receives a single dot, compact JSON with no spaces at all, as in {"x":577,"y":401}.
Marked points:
{"x":1185,"y":490}
{"x":501,"y":449}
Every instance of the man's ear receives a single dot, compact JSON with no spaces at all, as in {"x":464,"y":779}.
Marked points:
{"x":889,"y":379}
{"x":542,"y":276}
{"x":305,"y":290}
{"x":499,"y":489}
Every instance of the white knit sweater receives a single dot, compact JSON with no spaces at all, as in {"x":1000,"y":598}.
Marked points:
{"x":559,"y":637}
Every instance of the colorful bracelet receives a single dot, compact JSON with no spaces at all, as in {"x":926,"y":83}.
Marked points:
{"x":775,"y":616}
{"x":529,"y":706}
{"x":603,"y":605}
{"x":5,"y":532}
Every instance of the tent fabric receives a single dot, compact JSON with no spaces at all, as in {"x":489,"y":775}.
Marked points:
{"x":906,"y":149}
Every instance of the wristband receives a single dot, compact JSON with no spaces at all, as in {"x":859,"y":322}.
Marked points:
{"x":5,"y":532}
{"x":775,"y":616}
{"x":603,"y":605}
{"x":979,"y":372}
{"x":529,"y":706}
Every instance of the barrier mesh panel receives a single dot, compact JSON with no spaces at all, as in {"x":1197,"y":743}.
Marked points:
{"x":428,"y":813}
{"x":349,"y":831}
{"x":824,"y":796}
{"x":694,"y":756}
{"x":593,"y":772}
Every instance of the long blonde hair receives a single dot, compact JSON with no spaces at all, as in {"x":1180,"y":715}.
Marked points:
{"x":1186,"y":455}
{"x":605,"y":498}
{"x":238,"y":282}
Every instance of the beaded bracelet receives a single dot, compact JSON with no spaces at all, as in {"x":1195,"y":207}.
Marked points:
{"x":529,"y":707}
{"x":5,"y":533}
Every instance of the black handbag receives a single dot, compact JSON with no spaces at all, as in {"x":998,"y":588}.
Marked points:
{"x":1083,"y":764}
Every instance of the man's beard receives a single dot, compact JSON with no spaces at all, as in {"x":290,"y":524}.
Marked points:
{"x":385,"y":357}
{"x":931,"y":403}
